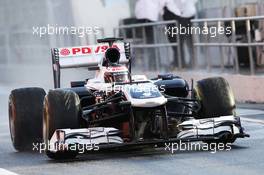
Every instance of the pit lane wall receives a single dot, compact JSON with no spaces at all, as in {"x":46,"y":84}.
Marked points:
{"x":246,"y":88}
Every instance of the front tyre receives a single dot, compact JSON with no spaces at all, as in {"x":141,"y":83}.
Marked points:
{"x":216,"y":98}
{"x":25,"y":108}
{"x":61,"y":110}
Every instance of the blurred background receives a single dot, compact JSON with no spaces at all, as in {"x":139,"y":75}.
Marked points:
{"x":25,"y":59}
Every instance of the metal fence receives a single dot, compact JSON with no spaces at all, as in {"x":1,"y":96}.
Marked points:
{"x":146,"y":36}
{"x":250,"y":43}
{"x":137,"y":34}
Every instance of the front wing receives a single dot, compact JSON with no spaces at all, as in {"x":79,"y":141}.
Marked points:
{"x":107,"y":137}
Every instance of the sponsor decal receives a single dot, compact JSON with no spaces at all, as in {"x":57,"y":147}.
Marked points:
{"x":65,"y":52}
{"x":85,"y":50}
{"x":117,"y":69}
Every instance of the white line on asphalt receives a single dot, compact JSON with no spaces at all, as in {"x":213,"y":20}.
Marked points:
{"x":252,"y":120}
{"x":6,"y":172}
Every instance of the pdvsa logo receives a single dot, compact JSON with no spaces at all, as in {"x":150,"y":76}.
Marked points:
{"x":75,"y":51}
{"x":65,"y":52}
{"x":85,"y":50}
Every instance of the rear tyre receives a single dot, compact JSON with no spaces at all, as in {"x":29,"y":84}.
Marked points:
{"x":25,"y":108}
{"x":216,"y":98}
{"x":61,"y":110}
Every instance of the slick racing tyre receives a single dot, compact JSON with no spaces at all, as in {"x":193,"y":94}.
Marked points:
{"x":25,"y":108}
{"x":216,"y":98}
{"x":61,"y":110}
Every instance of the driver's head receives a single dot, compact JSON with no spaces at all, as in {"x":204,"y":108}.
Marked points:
{"x":112,"y":55}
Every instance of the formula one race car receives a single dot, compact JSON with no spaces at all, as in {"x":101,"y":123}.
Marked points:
{"x":117,"y":109}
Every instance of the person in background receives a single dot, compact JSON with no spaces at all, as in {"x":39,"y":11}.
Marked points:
{"x":149,"y":11}
{"x":182,"y":11}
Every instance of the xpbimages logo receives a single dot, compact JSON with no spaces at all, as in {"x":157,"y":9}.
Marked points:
{"x":196,"y":146}
{"x":80,"y":31}
{"x":80,"y":148}
{"x":212,"y":31}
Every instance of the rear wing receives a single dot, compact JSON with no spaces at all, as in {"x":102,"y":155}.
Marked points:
{"x":83,"y":56}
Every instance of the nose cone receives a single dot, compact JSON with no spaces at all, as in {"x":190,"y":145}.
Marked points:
{"x":149,"y":102}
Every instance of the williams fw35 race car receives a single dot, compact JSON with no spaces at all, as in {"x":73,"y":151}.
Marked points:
{"x":116,"y":109}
